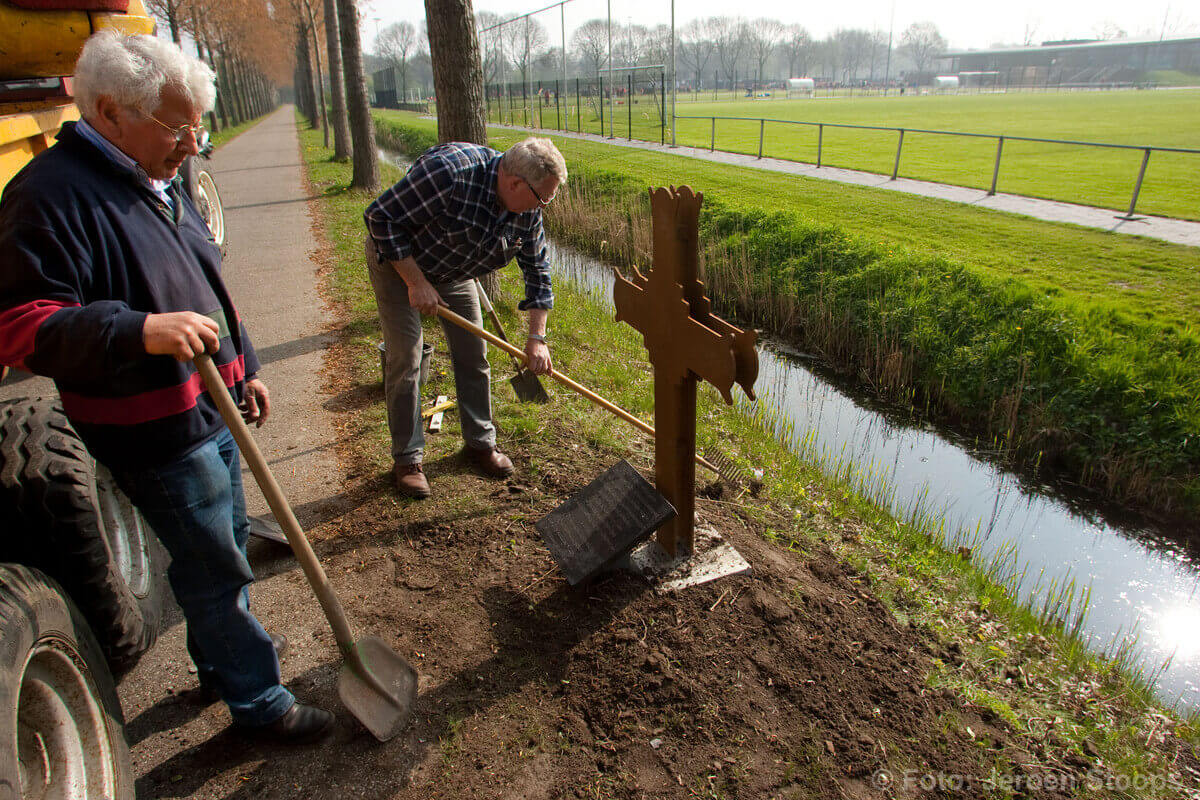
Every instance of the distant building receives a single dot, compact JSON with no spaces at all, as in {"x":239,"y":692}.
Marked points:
{"x":1075,"y":62}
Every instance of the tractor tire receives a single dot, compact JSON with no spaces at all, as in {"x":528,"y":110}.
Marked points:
{"x":61,"y":728}
{"x":66,"y":517}
{"x":202,"y":189}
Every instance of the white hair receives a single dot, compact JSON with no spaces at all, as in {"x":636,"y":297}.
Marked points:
{"x":535,"y":160}
{"x":133,"y":71}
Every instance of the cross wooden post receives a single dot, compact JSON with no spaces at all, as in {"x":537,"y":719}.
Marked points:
{"x":686,"y":343}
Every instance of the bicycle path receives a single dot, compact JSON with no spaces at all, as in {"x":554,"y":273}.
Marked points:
{"x":1167,"y":229}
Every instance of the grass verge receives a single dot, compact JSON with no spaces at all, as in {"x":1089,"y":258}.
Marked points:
{"x":1071,"y":349}
{"x":1078,"y":716}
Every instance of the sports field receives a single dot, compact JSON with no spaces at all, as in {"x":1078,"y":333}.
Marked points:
{"x":1089,"y":175}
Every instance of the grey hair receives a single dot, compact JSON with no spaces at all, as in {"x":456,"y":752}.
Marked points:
{"x":535,"y":160}
{"x":133,"y":71}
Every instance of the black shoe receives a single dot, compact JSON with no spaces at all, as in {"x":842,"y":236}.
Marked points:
{"x":299,"y":724}
{"x":209,"y":693}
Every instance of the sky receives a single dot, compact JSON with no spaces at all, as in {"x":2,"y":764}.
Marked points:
{"x":964,"y":23}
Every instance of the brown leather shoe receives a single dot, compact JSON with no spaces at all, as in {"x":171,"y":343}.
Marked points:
{"x":410,"y":481}
{"x":490,"y":462}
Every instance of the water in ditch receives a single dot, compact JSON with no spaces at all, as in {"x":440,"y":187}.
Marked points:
{"x":1140,"y":584}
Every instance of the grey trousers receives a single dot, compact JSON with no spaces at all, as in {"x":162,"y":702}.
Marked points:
{"x":402,"y":340}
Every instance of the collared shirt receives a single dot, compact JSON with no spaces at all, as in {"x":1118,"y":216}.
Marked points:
{"x":447,"y":215}
{"x":116,"y":154}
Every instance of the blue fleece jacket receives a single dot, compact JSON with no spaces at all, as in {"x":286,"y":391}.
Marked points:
{"x":87,"y":251}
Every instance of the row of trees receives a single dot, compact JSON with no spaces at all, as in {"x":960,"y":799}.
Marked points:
{"x":766,"y":50}
{"x":736,"y":49}
{"x":238,"y":39}
{"x":257,"y":46}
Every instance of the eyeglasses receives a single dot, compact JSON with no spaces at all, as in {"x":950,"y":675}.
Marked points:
{"x":542,"y":202}
{"x":182,"y":130}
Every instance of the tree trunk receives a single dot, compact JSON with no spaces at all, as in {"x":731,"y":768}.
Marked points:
{"x":235,"y":88}
{"x":333,"y":47}
{"x":173,"y":21}
{"x":320,"y":71}
{"x":318,"y":93}
{"x":362,"y":128}
{"x":197,"y":37}
{"x":458,"y":82}
{"x":224,"y":93}
{"x":244,"y":84}
{"x":304,"y":91}
{"x":260,"y":95}
{"x":457,"y":71}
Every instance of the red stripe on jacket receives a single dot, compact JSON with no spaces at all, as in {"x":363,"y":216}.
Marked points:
{"x":19,"y":326}
{"x":147,"y":406}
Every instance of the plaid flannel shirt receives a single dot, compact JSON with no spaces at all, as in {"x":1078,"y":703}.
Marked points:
{"x":445,"y":213}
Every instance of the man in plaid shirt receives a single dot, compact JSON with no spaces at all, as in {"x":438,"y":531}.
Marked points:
{"x":462,"y":211}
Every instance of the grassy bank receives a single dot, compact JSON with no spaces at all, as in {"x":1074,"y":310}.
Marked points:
{"x":1069,"y":348}
{"x":1089,"y":175}
{"x":1011,"y":695}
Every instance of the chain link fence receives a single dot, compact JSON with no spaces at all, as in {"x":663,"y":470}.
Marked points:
{"x":630,"y":106}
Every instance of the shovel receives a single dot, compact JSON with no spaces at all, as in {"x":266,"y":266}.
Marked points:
{"x":376,"y":684}
{"x":527,"y":386}
{"x":607,"y":405}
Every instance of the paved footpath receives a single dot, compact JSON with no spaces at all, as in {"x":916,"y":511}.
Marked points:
{"x":1169,"y":230}
{"x":269,"y":272}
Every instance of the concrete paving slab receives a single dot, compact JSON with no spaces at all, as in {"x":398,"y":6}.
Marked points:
{"x":1170,"y":230}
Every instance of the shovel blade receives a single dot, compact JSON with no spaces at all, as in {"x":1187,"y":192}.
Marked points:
{"x":528,"y":388}
{"x":266,"y":527}
{"x":378,"y":687}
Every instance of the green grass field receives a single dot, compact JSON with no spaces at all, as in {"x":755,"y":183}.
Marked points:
{"x":1092,"y":176}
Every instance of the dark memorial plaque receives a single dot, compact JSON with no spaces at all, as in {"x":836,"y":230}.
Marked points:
{"x":603,"y":522}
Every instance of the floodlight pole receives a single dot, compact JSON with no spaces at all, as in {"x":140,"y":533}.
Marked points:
{"x":562,"y":20}
{"x":887,"y":71}
{"x":611,"y":103}
{"x":673,"y":73}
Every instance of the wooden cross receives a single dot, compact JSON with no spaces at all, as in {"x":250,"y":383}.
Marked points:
{"x":686,"y":343}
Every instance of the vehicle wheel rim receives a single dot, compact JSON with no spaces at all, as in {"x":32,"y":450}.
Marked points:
{"x":127,"y":534}
{"x":210,"y":207}
{"x":63,"y":746}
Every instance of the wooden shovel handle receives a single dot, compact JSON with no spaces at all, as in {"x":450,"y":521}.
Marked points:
{"x":488,"y":309}
{"x":449,"y":315}
{"x":278,"y":503}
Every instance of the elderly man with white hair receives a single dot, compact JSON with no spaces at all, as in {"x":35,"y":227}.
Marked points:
{"x":462,"y":211}
{"x":111,"y":285}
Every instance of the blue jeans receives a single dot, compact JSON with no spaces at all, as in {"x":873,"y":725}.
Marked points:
{"x":195,"y":506}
